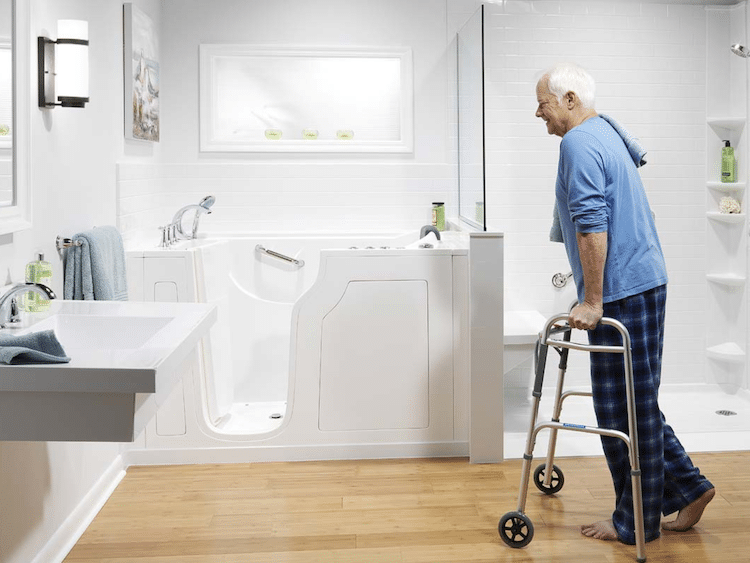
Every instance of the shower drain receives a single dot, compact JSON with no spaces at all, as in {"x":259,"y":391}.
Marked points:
{"x":726,"y":413}
{"x":275,"y":416}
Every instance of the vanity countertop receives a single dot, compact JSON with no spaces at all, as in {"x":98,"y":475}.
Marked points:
{"x":115,"y":347}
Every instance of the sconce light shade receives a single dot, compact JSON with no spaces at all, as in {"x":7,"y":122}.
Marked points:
{"x":64,"y":66}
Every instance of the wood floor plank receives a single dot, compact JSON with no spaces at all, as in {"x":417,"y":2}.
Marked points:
{"x":389,"y":511}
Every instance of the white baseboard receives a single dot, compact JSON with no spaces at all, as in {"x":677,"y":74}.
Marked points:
{"x":71,"y":530}
{"x":318,"y":452}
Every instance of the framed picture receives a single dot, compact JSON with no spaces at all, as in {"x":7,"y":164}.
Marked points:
{"x":141,"y":63}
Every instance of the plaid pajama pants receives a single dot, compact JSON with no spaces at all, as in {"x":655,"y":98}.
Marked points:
{"x":669,"y":479}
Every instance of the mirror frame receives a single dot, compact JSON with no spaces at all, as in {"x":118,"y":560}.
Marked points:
{"x":17,"y":217}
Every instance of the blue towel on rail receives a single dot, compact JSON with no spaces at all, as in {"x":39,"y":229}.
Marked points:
{"x":34,"y":348}
{"x":637,"y":153}
{"x":95,"y":270}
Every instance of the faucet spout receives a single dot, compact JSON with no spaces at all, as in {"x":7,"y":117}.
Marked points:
{"x":203,"y":206}
{"x":429,"y":229}
{"x":9,"y":315}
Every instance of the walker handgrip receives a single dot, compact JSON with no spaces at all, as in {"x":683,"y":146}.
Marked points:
{"x":551,"y":328}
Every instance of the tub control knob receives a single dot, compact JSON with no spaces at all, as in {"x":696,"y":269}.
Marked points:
{"x":560,"y":279}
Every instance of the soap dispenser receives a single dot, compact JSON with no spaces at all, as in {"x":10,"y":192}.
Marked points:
{"x":728,"y":164}
{"x":37,"y":271}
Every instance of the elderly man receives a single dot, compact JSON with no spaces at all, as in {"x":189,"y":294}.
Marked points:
{"x":618,"y":266}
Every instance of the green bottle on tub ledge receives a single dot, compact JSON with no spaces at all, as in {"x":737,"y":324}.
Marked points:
{"x":728,"y":163}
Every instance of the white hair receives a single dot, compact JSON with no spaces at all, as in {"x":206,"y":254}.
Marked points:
{"x":568,"y":77}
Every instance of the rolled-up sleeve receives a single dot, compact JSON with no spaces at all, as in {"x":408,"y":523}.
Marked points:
{"x":582,"y":167}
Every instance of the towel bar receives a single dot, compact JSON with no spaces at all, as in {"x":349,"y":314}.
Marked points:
{"x":61,"y":242}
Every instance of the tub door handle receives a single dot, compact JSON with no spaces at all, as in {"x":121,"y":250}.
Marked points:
{"x":263,"y":250}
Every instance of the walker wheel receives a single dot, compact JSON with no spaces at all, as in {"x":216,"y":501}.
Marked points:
{"x":556,"y":482}
{"x":516,"y":529}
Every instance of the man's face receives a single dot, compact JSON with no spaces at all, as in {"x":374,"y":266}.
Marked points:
{"x":550,"y":110}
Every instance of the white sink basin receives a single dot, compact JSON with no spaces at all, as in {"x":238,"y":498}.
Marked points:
{"x":125,"y":360}
{"x":110,"y":333}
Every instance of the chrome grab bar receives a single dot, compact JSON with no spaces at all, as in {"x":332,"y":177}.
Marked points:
{"x":263,"y":250}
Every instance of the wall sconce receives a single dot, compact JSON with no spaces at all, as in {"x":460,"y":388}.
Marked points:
{"x":64,"y":66}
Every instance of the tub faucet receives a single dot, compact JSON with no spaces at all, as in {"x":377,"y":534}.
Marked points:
{"x":203,"y":206}
{"x":429,"y":229}
{"x":9,"y":315}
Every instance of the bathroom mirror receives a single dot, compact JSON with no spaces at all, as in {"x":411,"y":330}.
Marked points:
{"x":14,"y":115}
{"x":305,"y":99}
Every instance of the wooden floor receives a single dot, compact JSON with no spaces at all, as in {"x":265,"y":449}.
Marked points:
{"x":392,"y":511}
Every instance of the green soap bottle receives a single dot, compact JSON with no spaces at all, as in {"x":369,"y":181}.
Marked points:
{"x":438,"y":215}
{"x":728,"y":164}
{"x":37,"y":271}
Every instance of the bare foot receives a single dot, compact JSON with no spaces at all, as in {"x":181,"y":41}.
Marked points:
{"x":691,"y":514}
{"x":604,"y":530}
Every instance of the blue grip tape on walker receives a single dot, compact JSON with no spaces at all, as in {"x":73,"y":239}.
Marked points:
{"x":568,"y":425}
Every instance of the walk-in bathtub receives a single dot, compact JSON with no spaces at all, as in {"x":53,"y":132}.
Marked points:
{"x":351,"y":347}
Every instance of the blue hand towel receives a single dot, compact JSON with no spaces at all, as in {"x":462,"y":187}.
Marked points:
{"x":637,"y":153}
{"x":35,"y":348}
{"x":635,"y":149}
{"x":96,"y":268}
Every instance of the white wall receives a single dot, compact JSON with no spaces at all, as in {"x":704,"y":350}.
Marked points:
{"x":73,"y":185}
{"x":298,"y":192}
{"x":649,"y":61}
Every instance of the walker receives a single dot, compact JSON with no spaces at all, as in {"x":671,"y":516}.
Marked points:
{"x":515,"y":528}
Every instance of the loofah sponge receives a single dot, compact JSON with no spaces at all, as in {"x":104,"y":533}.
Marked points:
{"x":729,"y":205}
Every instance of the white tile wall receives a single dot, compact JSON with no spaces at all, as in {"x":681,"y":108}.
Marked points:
{"x":649,"y":63}
{"x":285,"y":197}
{"x":138,"y":203}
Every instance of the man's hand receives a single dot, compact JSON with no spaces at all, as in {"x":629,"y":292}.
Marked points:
{"x":585,"y":316}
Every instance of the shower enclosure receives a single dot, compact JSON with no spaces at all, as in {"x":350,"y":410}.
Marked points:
{"x":668,"y":73}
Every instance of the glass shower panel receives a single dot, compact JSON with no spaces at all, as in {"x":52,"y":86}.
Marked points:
{"x":471,"y":202}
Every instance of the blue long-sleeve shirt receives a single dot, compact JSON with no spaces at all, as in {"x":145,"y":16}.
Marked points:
{"x":599,"y":189}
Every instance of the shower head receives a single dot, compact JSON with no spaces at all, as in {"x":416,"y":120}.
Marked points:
{"x":207,"y":202}
{"x":740,"y":50}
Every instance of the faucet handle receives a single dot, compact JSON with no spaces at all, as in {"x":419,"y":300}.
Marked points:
{"x":164,"y":237}
{"x":14,"y":315}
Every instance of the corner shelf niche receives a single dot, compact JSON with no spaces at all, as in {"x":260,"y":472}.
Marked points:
{"x":727,"y":188}
{"x":727,"y":266}
{"x":727,"y":123}
{"x":738,"y":218}
{"x":726,"y":242}
{"x":728,"y":279}
{"x":729,"y":352}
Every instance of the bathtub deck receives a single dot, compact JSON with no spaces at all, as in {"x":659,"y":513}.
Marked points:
{"x":387,"y":511}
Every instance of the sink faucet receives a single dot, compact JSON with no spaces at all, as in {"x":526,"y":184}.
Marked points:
{"x":9,"y":315}
{"x":203,"y":206}
{"x":429,"y":229}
